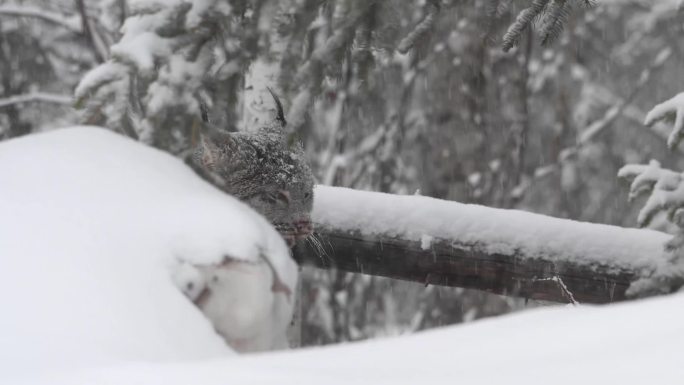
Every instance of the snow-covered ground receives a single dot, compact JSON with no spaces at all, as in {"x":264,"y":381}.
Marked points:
{"x":635,"y":343}
{"x":92,"y":225}
{"x":93,"y":229}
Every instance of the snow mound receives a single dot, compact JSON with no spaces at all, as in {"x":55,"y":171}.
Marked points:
{"x":94,"y":229}
{"x":629,"y":344}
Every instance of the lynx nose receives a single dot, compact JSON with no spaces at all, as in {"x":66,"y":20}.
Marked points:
{"x":303,"y":228}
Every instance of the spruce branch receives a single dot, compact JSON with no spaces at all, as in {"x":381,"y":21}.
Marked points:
{"x":326,"y":53}
{"x":310,"y":75}
{"x":362,"y":55}
{"x":427,"y":24}
{"x":665,"y":189}
{"x":295,"y":28}
{"x":551,"y":15}
{"x":556,"y":15}
{"x":149,"y":88}
{"x":669,"y":110}
{"x":491,"y":8}
{"x":522,"y":22}
{"x":495,"y":10}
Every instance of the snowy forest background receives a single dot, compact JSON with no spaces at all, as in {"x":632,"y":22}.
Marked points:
{"x":380,"y":103}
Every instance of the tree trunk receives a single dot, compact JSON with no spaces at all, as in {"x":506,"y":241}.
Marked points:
{"x":550,"y":273}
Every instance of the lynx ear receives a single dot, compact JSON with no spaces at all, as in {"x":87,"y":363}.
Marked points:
{"x":214,"y":146}
{"x":207,"y":154}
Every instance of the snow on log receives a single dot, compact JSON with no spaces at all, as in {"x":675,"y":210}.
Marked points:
{"x":507,"y":252}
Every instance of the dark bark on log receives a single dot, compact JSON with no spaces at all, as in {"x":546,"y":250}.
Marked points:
{"x":447,"y":264}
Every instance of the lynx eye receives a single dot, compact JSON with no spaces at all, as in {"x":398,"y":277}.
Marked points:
{"x":280,"y":197}
{"x":283,"y":196}
{"x":269,"y":198}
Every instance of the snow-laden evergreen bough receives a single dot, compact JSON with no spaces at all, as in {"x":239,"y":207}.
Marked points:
{"x":167,"y":62}
{"x":665,"y":190}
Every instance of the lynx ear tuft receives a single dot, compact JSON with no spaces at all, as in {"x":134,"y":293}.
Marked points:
{"x":280,"y":115}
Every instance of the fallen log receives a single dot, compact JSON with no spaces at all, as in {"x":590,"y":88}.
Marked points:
{"x":506,"y":252}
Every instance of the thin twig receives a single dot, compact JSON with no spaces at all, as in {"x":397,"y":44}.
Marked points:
{"x":36,"y":97}
{"x":35,"y":12}
{"x":564,"y":289}
{"x":87,"y":31}
{"x":590,"y":133}
{"x":325,"y":53}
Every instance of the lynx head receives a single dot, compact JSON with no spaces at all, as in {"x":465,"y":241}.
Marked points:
{"x":263,"y":170}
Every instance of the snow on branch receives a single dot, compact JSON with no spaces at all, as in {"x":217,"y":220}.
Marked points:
{"x":670,"y":110}
{"x":665,"y":190}
{"x":509,"y":252}
{"x":36,"y":97}
{"x":73,"y":24}
{"x":150,"y":88}
{"x":664,"y":186}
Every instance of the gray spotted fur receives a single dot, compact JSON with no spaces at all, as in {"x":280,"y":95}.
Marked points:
{"x":262,"y":169}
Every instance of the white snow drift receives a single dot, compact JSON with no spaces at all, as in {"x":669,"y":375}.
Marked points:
{"x":93,"y":229}
{"x":629,"y":344}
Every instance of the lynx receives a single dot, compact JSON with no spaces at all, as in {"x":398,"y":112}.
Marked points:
{"x":263,"y":170}
{"x":248,"y":303}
